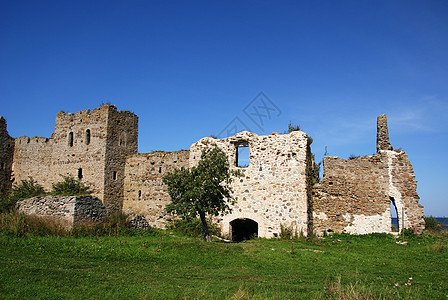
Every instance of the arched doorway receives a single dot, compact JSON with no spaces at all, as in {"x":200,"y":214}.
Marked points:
{"x":243,"y":229}
{"x":394,"y":215}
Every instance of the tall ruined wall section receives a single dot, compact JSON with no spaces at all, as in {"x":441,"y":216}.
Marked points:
{"x":355,"y":195}
{"x":122,"y":140}
{"x":6,"y":158}
{"x":273,"y":188}
{"x":352,"y":196}
{"x":144,"y":191}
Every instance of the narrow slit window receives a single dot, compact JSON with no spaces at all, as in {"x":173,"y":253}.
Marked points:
{"x":87,"y":136}
{"x":70,"y":139}
{"x":3,"y":166}
{"x":80,"y":173}
{"x":242,"y":156}
{"x":160,"y":169}
{"x":139,"y":194}
{"x":114,"y":175}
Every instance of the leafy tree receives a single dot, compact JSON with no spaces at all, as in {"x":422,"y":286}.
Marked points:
{"x":202,"y":190}
{"x":70,"y":187}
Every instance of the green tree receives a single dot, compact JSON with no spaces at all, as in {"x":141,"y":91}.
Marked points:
{"x":202,"y":190}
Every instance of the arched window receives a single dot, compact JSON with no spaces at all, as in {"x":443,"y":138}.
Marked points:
{"x":87,"y":136}
{"x":70,"y":139}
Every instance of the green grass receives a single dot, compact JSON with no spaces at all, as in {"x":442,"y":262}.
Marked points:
{"x":162,"y":265}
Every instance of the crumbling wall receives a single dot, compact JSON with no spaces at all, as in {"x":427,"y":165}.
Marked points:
{"x":352,"y":196}
{"x":70,"y":209}
{"x":273,"y":188}
{"x":355,"y":195}
{"x":144,"y":191}
{"x":6,"y":158}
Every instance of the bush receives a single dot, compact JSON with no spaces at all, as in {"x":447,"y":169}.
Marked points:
{"x":192,"y":227}
{"x":70,"y":187}
{"x":432,"y":224}
{"x":26,"y":189}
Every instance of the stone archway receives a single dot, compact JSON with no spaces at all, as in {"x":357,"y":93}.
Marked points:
{"x":243,"y":229}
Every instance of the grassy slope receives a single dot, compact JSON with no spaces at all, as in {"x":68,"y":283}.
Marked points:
{"x":160,"y":265}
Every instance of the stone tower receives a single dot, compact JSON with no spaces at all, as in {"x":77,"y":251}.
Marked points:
{"x":382,"y":134}
{"x":88,"y":145}
{"x":6,"y":158}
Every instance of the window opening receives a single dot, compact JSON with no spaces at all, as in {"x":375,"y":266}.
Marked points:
{"x":242,"y":155}
{"x":160,"y":169}
{"x":79,"y":173}
{"x":3,"y":166}
{"x":87,"y":136}
{"x":122,"y":139}
{"x":114,"y":175}
{"x":394,"y":216}
{"x":139,"y":194}
{"x":70,"y":139}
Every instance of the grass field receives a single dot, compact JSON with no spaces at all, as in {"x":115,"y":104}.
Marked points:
{"x":162,"y":265}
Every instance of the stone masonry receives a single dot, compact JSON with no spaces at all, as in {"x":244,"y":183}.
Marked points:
{"x":72,"y":210}
{"x":100,"y":148}
{"x":144,"y":191}
{"x":273,"y":188}
{"x":89,"y":145}
{"x":355,"y":195}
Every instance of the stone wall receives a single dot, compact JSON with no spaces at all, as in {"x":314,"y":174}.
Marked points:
{"x":356,"y":195}
{"x":71,"y":209}
{"x":6,"y":158}
{"x":352,"y":196}
{"x":89,"y":145}
{"x":273,"y":189}
{"x":144,"y":191}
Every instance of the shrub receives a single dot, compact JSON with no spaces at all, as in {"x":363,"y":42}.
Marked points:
{"x":192,"y":227}
{"x":26,"y":189}
{"x":70,"y":187}
{"x":432,"y":224}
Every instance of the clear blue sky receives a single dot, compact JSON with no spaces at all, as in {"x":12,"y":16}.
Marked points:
{"x":189,"y":68}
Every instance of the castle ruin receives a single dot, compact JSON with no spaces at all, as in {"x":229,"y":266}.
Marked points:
{"x":279,"y":186}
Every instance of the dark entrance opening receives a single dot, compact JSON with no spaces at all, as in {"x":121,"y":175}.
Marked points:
{"x":243,"y":229}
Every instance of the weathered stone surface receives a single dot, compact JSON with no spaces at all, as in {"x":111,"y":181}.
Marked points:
{"x":72,"y":209}
{"x":137,"y":222}
{"x":100,"y":148}
{"x":6,"y":158}
{"x":273,"y":189}
{"x":144,"y":191}
{"x":90,"y":145}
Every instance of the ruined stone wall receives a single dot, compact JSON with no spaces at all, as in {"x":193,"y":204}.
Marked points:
{"x":352,"y":196}
{"x":122,"y":140}
{"x":273,"y":188}
{"x":70,"y":209}
{"x":77,"y":155}
{"x":32,"y":158}
{"x":144,"y":191}
{"x":89,"y":145}
{"x":355,"y":195}
{"x":6,"y":158}
{"x":403,"y":190}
